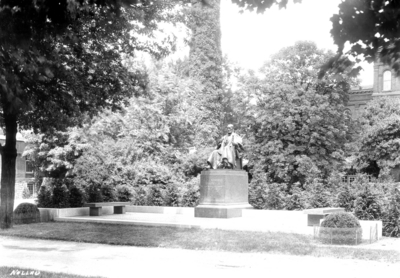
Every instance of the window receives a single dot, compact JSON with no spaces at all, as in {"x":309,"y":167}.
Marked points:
{"x":29,"y":167}
{"x":387,"y":80}
{"x":351,"y":178}
{"x":31,"y":187}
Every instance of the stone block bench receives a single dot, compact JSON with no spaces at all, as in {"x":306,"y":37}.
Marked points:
{"x":95,"y":208}
{"x":316,"y":214}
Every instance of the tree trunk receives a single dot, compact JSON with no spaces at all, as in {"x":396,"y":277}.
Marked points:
{"x":8,"y":163}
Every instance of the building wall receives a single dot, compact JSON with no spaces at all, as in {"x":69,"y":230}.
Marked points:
{"x":359,"y":97}
{"x":379,"y":70}
{"x":358,"y":100}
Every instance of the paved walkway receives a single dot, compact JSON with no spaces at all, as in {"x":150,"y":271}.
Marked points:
{"x":125,"y":261}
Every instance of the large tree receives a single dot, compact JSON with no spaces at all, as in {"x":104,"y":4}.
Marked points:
{"x":300,"y":123}
{"x":60,"y":61}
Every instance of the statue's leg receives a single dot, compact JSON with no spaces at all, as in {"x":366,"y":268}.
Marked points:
{"x":239,"y":164}
{"x":214,"y":159}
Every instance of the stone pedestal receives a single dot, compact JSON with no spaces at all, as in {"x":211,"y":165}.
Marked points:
{"x":223,"y":194}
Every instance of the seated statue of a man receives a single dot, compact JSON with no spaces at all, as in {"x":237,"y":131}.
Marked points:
{"x":228,"y":154}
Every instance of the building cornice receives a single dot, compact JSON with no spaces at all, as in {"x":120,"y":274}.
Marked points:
{"x":361,"y":92}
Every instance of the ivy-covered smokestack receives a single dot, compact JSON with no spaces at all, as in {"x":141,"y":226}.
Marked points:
{"x":205,"y":60}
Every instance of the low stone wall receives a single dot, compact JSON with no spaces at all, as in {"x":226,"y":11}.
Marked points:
{"x":163,"y":210}
{"x":290,"y":220}
{"x":369,"y":227}
{"x":48,"y":214}
{"x":278,"y":217}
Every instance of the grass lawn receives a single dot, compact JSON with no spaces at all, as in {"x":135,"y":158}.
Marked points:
{"x":196,"y":239}
{"x":24,"y":272}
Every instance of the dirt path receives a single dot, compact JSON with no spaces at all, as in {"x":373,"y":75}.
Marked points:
{"x":125,"y":261}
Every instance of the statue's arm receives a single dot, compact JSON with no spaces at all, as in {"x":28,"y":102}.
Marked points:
{"x":237,"y":142}
{"x":220,"y":142}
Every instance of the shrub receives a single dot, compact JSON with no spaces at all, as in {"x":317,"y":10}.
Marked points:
{"x":191,"y":194}
{"x":341,"y":220}
{"x":192,"y":164}
{"x":274,"y":196}
{"x":109,"y":193}
{"x":94,"y":194}
{"x":155,"y":196}
{"x":60,"y":198}
{"x":319,"y":195}
{"x":297,"y":199}
{"x":368,"y":205}
{"x":152,"y":172}
{"x":391,"y":219}
{"x":124,"y":193}
{"x":140,"y":196}
{"x":345,"y":199}
{"x":26,"y":213}
{"x":257,"y":196}
{"x":173,"y":196}
{"x":91,"y":171}
{"x":265,"y":195}
{"x":76,"y":197}
{"x":341,"y":228}
{"x":45,"y":197}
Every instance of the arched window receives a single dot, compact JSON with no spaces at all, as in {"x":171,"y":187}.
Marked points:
{"x":387,"y":80}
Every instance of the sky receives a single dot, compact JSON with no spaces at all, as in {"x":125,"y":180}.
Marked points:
{"x":250,"y":38}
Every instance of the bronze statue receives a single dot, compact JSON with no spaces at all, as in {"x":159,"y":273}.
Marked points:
{"x":228,"y":154}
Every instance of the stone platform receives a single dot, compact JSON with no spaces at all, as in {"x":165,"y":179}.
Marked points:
{"x":223,"y":194}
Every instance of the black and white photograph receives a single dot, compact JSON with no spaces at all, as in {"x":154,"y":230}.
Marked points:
{"x":199,"y":138}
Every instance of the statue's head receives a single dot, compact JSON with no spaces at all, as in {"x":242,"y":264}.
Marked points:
{"x":230,"y":128}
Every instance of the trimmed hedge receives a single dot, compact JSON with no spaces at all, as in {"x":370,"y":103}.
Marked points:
{"x":26,"y":213}
{"x":340,"y":228}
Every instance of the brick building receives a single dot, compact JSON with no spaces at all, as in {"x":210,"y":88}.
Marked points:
{"x":385,"y":83}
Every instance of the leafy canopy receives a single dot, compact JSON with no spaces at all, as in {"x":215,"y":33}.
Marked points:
{"x":300,"y":124}
{"x":66,"y":60}
{"x":371,"y":27}
{"x":379,"y":142}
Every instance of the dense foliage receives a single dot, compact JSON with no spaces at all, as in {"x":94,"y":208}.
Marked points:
{"x":205,"y":64}
{"x":379,"y":141}
{"x":391,"y":219}
{"x":138,"y":154}
{"x":370,"y":28}
{"x":300,"y":125}
{"x":368,"y":205}
{"x":65,"y":63}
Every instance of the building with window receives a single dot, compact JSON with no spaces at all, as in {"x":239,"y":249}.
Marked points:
{"x":385,"y":83}
{"x":24,"y":170}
